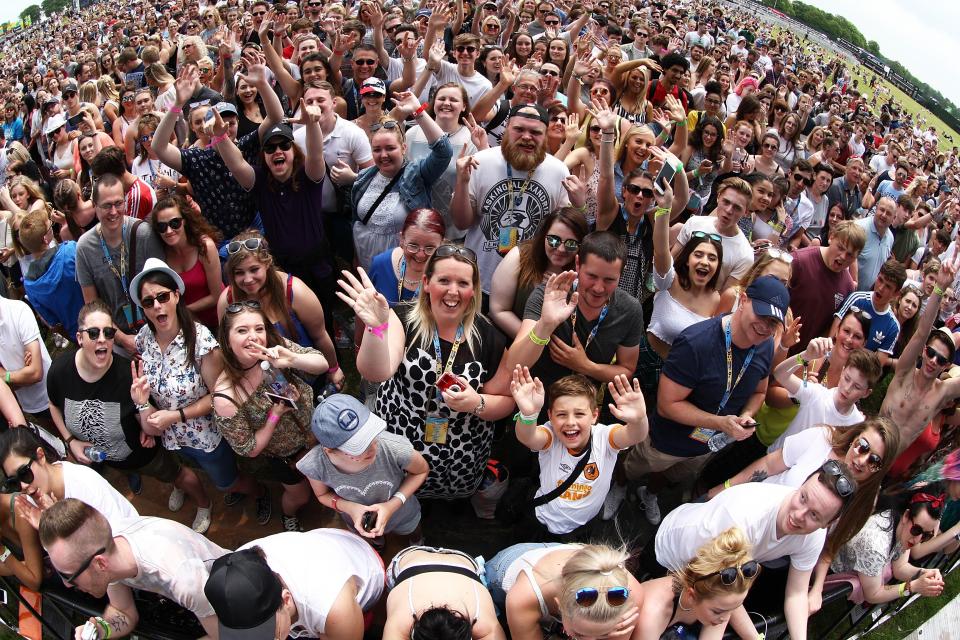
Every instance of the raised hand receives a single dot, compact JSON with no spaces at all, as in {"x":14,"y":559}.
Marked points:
{"x":948,"y":271}
{"x":140,"y":389}
{"x":308,"y":114}
{"x":375,"y":14}
{"x":466,"y":163}
{"x":628,"y":404}
{"x":558,"y":301}
{"x":527,"y":391}
{"x":266,"y":24}
{"x":437,"y":53}
{"x":791,"y":333}
{"x":361,"y":296}
{"x":675,"y":108}
{"x":256,"y":73}
{"x":572,"y":129}
{"x":817,"y":348}
{"x":187,"y":83}
{"x":576,"y":186}
{"x":406,"y":102}
{"x":601,"y":112}
{"x":478,"y":135}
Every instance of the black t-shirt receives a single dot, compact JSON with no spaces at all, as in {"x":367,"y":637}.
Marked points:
{"x":100,"y":412}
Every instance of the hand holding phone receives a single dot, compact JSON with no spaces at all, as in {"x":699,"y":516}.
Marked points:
{"x":448,"y":381}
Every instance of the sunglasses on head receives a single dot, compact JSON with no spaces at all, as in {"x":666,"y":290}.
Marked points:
{"x":933,"y":354}
{"x":94,"y":332}
{"x":837,"y":479}
{"x":250,"y":244}
{"x":69,"y":578}
{"x":716,"y":237}
{"x":237,"y":307}
{"x":172,"y":223}
{"x":469,"y":48}
{"x":447,"y":250}
{"x":588,"y":596}
{"x":861,"y":447}
{"x":728,"y":575}
{"x":284,"y":145}
{"x":570,"y":245}
{"x":635,"y":189}
{"x":780,"y":254}
{"x":162,"y":298}
{"x":23,"y":475}
{"x":386,"y":124}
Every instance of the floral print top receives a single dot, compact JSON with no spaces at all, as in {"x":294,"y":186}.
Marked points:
{"x":176,"y":383}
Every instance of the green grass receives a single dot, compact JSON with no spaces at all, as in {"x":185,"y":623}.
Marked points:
{"x":918,"y":612}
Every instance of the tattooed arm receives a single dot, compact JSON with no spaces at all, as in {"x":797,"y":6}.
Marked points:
{"x":121,"y":613}
{"x":769,"y":465}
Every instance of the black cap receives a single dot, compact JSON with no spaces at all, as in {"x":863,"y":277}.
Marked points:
{"x":280,"y":130}
{"x":245,"y":594}
{"x":532,"y":111}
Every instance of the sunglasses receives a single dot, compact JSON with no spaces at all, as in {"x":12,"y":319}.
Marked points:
{"x":780,"y":254}
{"x":364,"y":62}
{"x":550,"y":72}
{"x":588,"y":596}
{"x":467,"y":48}
{"x":270,"y":147}
{"x":146,"y":138}
{"x":569,"y":245}
{"x":172,"y":223}
{"x":250,"y":244}
{"x":917,"y":530}
{"x":22,"y":476}
{"x":386,"y":124}
{"x":770,"y":147}
{"x":861,"y":447}
{"x":447,"y":250}
{"x":716,"y":237}
{"x":934,"y":355}
{"x":799,"y":179}
{"x":559,"y":119}
{"x":492,"y":26}
{"x":162,"y":298}
{"x":780,"y":109}
{"x":728,"y":575}
{"x":637,"y":190}
{"x":552,"y":23}
{"x":94,"y":332}
{"x":259,"y":13}
{"x":127,"y":99}
{"x":68,"y":579}
{"x":237,"y":307}
{"x":837,"y":479}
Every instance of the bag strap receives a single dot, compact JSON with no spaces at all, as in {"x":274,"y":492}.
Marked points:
{"x":133,"y":246}
{"x":577,"y":470}
{"x":503,"y":108}
{"x":383,"y":194}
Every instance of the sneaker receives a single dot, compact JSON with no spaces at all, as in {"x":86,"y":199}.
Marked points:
{"x":650,"y":505}
{"x":175,"y":503}
{"x":291,"y":523}
{"x":232,"y":498}
{"x":264,"y":507}
{"x":201,"y":522}
{"x":611,"y":504}
{"x":135,"y":482}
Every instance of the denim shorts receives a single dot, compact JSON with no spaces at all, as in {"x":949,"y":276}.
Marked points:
{"x":496,"y":568}
{"x":220,"y":464}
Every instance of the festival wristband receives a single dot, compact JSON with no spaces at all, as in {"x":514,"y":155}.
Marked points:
{"x":183,"y":416}
{"x":696,"y":172}
{"x":937,"y":290}
{"x":399,"y":496}
{"x":522,"y":419}
{"x":379,"y":330}
{"x":659,"y":212}
{"x":334,"y":369}
{"x":175,"y":109}
{"x":143,"y":407}
{"x":105,"y":626}
{"x":801,"y":361}
{"x":420,"y":110}
{"x":215,"y":140}
{"x":902,"y":589}
{"x":726,"y":484}
{"x":537,"y":340}
{"x":334,"y":504}
{"x":272,"y":418}
{"x":5,"y":554}
{"x":7,"y":377}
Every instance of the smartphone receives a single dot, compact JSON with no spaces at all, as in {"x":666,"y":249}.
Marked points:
{"x":664,"y":177}
{"x":749,"y":425}
{"x":693,"y":204}
{"x":369,"y":520}
{"x":74,"y":121}
{"x":281,"y":399}
{"x":209,"y":115}
{"x":448,"y":382}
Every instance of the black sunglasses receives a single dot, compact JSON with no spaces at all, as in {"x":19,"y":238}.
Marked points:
{"x":597,"y":129}
{"x":162,"y":298}
{"x":68,"y":579}
{"x":467,"y":48}
{"x":237,"y":307}
{"x":270,"y":147}
{"x":837,"y":479}
{"x":803,"y":180}
{"x":874,"y":461}
{"x":94,"y":332}
{"x":934,"y":355}
{"x":447,"y":250}
{"x":728,"y":575}
{"x":22,"y":476}
{"x":386,"y":124}
{"x":550,"y":72}
{"x":569,"y":245}
{"x":364,"y":62}
{"x":250,"y":244}
{"x":917,"y":530}
{"x":588,"y":596}
{"x":716,"y":237}
{"x":636,"y":190}
{"x":172,"y":223}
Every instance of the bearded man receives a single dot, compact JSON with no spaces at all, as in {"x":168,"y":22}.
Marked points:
{"x":504,"y":193}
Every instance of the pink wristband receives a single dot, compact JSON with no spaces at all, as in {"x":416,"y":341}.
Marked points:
{"x":175,"y":109}
{"x":333,"y":369}
{"x":215,"y":140}
{"x":272,"y":418}
{"x":379,"y":331}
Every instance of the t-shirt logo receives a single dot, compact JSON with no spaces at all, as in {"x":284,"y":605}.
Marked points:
{"x":504,"y":208}
{"x":348,"y":420}
{"x":591,"y":472}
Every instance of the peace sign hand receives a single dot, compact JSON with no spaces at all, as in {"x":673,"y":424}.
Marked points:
{"x":140,"y":389}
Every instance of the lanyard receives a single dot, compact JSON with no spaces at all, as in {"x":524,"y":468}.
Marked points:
{"x":593,"y":332}
{"x":441,"y":369}
{"x":516,"y":199}
{"x":120,"y":273}
{"x":626,"y":225}
{"x":400,"y":281}
{"x":731,"y":385}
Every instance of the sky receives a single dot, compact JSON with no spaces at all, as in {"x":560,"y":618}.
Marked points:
{"x":921,"y":34}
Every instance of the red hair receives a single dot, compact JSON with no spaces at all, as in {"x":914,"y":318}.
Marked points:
{"x":426,"y":219}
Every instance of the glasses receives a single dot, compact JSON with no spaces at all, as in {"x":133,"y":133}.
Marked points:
{"x":560,"y":119}
{"x":837,"y":479}
{"x":447,"y":250}
{"x":237,"y":307}
{"x":250,"y":244}
{"x":933,"y":354}
{"x":127,"y":99}
{"x":172,"y":223}
{"x":69,"y":94}
{"x":550,"y":72}
{"x":770,"y":147}
{"x":386,"y":124}
{"x":588,"y":596}
{"x":643,"y":34}
{"x":22,"y":476}
{"x":492,"y":26}
{"x":728,"y":575}
{"x":259,"y":13}
{"x":780,"y":254}
{"x":94,"y":332}
{"x":284,"y":145}
{"x":801,"y":179}
{"x":862,"y":447}
{"x":528,"y":88}
{"x":120,"y":205}
{"x":467,"y":48}
{"x":364,"y":62}
{"x":551,"y":23}
{"x":68,"y":579}
{"x":712,"y":101}
{"x":146,"y":138}
{"x":917,"y":530}
{"x":781,"y":109}
{"x":413,"y":247}
{"x":569,"y":244}
{"x":162,"y":298}
{"x":716,"y":237}
{"x":635,"y":189}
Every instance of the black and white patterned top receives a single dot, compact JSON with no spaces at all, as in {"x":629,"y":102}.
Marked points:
{"x":871,"y":550}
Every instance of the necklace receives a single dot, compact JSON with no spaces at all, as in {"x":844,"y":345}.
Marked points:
{"x":257,"y":363}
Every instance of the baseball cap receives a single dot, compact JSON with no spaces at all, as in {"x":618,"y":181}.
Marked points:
{"x":769,"y":297}
{"x":280,"y":130}
{"x":532,"y":111}
{"x":423,"y":13}
{"x":373,"y":85}
{"x":245,"y":594}
{"x":343,"y":422}
{"x":69,"y":86}
{"x":226,"y":107}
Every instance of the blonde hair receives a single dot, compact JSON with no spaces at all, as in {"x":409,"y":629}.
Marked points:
{"x":422,"y":326}
{"x":108,"y":88}
{"x":729,"y":549}
{"x":596,"y":566}
{"x":88,"y":92}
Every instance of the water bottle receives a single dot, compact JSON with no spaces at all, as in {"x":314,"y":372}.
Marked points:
{"x":275,"y":379}
{"x":328,"y":390}
{"x":95,"y":454}
{"x":719,"y":440}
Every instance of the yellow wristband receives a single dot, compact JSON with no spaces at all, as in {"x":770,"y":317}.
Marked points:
{"x":537,"y":340}
{"x":937,"y":290}
{"x":659,"y":212}
{"x":726,"y":484}
{"x":902,"y":588}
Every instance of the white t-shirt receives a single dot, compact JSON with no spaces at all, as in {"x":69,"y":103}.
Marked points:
{"x":737,"y":251}
{"x":346,"y":142}
{"x":315,"y":565}
{"x":878,"y":163}
{"x":584,"y":499}
{"x":173,"y":560}
{"x":803,"y":453}
{"x":753,"y":508}
{"x":88,"y":486}
{"x":149,"y":170}
{"x":395,"y":72}
{"x":18,"y":328}
{"x":476,"y":85}
{"x":506,"y":221}
{"x":818,"y":405}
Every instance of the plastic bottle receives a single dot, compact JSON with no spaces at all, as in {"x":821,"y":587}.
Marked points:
{"x":719,"y":440}
{"x":275,"y":379}
{"x":95,"y":454}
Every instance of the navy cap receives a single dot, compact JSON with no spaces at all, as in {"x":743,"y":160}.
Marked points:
{"x":769,"y":297}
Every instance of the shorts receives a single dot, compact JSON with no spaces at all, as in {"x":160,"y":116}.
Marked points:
{"x":284,"y":470}
{"x":220,"y":464}
{"x":643,"y":459}
{"x":497,"y":566}
{"x":164,"y":466}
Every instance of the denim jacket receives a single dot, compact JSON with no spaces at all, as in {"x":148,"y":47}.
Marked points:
{"x":417,"y":180}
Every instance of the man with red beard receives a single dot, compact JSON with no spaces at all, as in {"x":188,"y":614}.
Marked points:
{"x":503,"y":193}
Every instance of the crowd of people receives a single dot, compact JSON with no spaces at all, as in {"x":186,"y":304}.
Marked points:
{"x":520,"y":224}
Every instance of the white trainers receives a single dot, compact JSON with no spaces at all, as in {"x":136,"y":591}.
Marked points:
{"x":201,"y":522}
{"x":650,"y":505}
{"x":611,"y":504}
{"x":175,"y":503}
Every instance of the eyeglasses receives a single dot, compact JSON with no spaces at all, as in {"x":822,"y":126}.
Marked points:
{"x":68,"y":579}
{"x":728,"y":575}
{"x":271,"y":147}
{"x":636,"y":190}
{"x":162,"y":298}
{"x":771,"y":147}
{"x":250,"y":244}
{"x":780,"y":254}
{"x":527,"y":88}
{"x":447,"y":250}
{"x":933,"y":354}
{"x":364,"y":62}
{"x":237,"y":307}
{"x":917,"y":530}
{"x":386,"y":124}
{"x":588,"y":596}
{"x":94,"y":332}
{"x":413,"y":247}
{"x":570,"y":245}
{"x":643,"y":34}
{"x":716,"y":237}
{"x":467,"y":48}
{"x":172,"y":223}
{"x":801,"y":179}
{"x":861,"y":447}
{"x":837,"y":479}
{"x":22,"y":476}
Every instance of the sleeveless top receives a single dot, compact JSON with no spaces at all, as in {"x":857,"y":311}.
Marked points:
{"x":195,"y":287}
{"x":302,"y":337}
